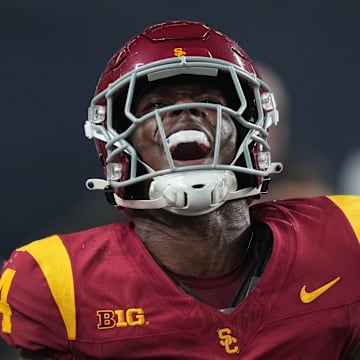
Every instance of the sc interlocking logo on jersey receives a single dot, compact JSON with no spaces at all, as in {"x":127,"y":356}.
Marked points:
{"x":228,"y":341}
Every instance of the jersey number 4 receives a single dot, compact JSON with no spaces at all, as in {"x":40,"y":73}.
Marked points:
{"x":5,"y":283}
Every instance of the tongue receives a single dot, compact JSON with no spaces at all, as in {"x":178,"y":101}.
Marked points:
{"x":188,"y":151}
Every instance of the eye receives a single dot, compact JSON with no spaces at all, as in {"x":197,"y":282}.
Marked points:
{"x":211,"y":100}
{"x":151,"y":105}
{"x":156,"y":104}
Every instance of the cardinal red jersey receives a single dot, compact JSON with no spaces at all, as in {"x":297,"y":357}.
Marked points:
{"x":98,"y":294}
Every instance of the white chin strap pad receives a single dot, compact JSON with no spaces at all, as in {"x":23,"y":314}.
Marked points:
{"x":193,"y":193}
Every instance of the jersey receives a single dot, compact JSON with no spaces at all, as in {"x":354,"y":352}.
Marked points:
{"x":98,"y":294}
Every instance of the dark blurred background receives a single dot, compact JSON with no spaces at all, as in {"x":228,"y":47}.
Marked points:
{"x":52,"y":52}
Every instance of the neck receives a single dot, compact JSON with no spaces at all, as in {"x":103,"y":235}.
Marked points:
{"x":206,"y":245}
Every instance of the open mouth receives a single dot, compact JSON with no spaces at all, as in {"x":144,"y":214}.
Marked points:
{"x":188,"y":145}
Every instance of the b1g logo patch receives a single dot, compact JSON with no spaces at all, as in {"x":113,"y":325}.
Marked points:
{"x":109,"y":319}
{"x":228,"y":341}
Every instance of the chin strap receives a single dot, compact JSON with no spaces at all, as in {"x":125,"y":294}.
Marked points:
{"x":192,"y":193}
{"x":113,"y":199}
{"x":188,"y":193}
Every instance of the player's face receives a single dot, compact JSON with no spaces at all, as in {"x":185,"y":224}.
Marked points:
{"x":191,"y":132}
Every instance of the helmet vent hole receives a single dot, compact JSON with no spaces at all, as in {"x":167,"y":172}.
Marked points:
{"x":186,"y":200}
{"x":198,"y":186}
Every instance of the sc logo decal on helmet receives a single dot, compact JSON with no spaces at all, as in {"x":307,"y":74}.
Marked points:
{"x":159,"y":53}
{"x":179,"y":51}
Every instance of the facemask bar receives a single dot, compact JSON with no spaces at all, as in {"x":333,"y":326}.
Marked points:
{"x":117,"y":143}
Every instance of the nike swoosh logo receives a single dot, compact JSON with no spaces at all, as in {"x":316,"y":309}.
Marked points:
{"x":309,"y":296}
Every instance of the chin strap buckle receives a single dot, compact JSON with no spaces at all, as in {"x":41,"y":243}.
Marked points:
{"x":109,"y":195}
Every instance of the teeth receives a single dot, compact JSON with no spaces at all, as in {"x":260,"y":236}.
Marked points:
{"x":187,"y":136}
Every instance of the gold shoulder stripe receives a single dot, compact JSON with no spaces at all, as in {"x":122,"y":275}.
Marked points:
{"x":350,"y":206}
{"x":53,"y":260}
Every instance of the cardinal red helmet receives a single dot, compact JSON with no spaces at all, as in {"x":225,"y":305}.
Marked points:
{"x":166,"y":50}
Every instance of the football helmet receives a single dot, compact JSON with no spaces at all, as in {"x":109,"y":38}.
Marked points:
{"x":162,"y":51}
